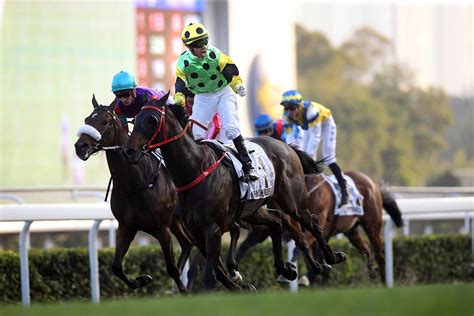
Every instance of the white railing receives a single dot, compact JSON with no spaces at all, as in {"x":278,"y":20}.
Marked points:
{"x":28,"y":213}
{"x":412,"y":210}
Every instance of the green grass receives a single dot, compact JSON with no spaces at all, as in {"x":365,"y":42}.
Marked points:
{"x":433,"y":300}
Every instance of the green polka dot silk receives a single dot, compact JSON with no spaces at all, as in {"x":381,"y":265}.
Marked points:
{"x":202,"y":74}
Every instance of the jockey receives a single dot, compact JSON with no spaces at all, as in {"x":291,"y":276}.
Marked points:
{"x":266,"y":126}
{"x":214,"y":128}
{"x":317,"y":122}
{"x":129,"y":98}
{"x":214,"y":79}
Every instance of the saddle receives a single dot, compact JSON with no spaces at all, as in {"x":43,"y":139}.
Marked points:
{"x":254,"y":190}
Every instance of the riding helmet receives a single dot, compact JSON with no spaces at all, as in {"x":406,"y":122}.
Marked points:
{"x":123,"y":81}
{"x":194,"y":32}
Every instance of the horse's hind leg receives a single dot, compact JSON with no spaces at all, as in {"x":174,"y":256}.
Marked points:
{"x":373,"y":233}
{"x":262,"y":217}
{"x":310,"y":222}
{"x":163,"y":235}
{"x":184,"y":240}
{"x":125,"y":236}
{"x":355,"y":237}
{"x":298,"y":236}
{"x":257,"y":235}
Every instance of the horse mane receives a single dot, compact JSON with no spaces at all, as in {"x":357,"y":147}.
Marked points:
{"x":180,"y":113}
{"x":309,"y":165}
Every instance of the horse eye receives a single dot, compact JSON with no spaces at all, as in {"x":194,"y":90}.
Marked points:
{"x":104,"y":123}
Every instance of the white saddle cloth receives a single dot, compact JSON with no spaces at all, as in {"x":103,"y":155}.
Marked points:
{"x":263,"y":187}
{"x":356,"y":199}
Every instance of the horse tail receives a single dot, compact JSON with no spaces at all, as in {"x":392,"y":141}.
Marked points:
{"x":391,"y":206}
{"x":309,"y":165}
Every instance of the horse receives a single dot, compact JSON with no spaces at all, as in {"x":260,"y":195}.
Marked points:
{"x":321,"y":202}
{"x":209,"y":194}
{"x":143,"y":196}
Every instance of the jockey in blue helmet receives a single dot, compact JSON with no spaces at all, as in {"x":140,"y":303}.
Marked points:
{"x":318,"y":123}
{"x":266,"y":126}
{"x":130,"y":98}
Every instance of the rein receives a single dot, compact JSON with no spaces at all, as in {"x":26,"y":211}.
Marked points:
{"x":202,"y":176}
{"x":162,"y":125}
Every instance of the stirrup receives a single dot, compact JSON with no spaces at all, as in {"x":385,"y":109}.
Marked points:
{"x":251,"y":175}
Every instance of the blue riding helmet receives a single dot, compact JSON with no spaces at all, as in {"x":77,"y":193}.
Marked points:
{"x":291,"y":97}
{"x":123,"y":81}
{"x":263,"y":122}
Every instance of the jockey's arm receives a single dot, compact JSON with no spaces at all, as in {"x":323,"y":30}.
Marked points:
{"x":289,"y":126}
{"x":230,"y":71}
{"x":121,"y":117}
{"x":314,"y":138}
{"x":180,"y":87}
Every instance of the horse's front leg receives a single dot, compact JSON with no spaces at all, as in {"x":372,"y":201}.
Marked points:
{"x":125,"y":236}
{"x":213,"y":250}
{"x":231,"y":261}
{"x":164,"y":237}
{"x":184,"y":240}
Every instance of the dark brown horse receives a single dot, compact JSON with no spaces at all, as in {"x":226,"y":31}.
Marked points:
{"x":321,"y":201}
{"x":209,"y":207}
{"x":143,"y":196}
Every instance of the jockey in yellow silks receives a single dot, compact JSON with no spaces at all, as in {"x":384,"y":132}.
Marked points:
{"x":318,"y":124}
{"x":214,"y":79}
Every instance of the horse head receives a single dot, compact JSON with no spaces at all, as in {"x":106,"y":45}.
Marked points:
{"x":157,"y":124}
{"x":102,"y":130}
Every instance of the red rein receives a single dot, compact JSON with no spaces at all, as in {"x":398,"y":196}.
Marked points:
{"x":149,"y":146}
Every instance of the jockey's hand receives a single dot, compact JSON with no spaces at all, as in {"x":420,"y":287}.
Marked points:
{"x":240,"y":89}
{"x":179,"y":98}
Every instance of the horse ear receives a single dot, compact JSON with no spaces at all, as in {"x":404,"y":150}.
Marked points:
{"x":164,"y":99}
{"x":94,"y":101}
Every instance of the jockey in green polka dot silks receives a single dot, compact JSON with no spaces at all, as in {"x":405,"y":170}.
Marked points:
{"x":214,"y":79}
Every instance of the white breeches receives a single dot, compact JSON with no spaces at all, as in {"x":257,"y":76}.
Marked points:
{"x":223,"y":102}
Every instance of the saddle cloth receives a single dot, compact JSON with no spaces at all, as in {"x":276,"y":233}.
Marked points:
{"x":254,"y":190}
{"x":356,"y":199}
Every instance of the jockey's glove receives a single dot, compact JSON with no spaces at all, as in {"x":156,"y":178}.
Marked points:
{"x":240,"y":90}
{"x":179,"y":98}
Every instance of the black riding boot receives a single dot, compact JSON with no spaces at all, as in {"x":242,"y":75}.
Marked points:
{"x":342,"y":183}
{"x":249,"y":171}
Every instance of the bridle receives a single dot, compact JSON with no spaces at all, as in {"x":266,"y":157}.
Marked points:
{"x":103,"y":137}
{"x":162,"y":125}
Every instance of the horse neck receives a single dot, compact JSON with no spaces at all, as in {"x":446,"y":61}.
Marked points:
{"x":123,"y":173}
{"x":183,"y":157}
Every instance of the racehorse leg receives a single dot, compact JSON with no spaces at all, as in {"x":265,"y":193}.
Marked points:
{"x":257,"y":235}
{"x":185,"y":242}
{"x":213,"y":249}
{"x":231,"y":260}
{"x":163,"y":235}
{"x":125,"y":236}
{"x":297,"y":235}
{"x":262,"y":217}
{"x":355,"y":237}
{"x":373,"y":233}
{"x":197,"y":260}
{"x":310,"y":222}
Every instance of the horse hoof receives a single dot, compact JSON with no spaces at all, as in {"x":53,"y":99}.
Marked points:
{"x":237,"y":277}
{"x":249,"y":288}
{"x":289,"y":271}
{"x":340,"y":257}
{"x":282,"y":279}
{"x":304,"y":281}
{"x":143,"y":280}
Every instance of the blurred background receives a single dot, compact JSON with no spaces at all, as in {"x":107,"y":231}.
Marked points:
{"x":398,"y":76}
